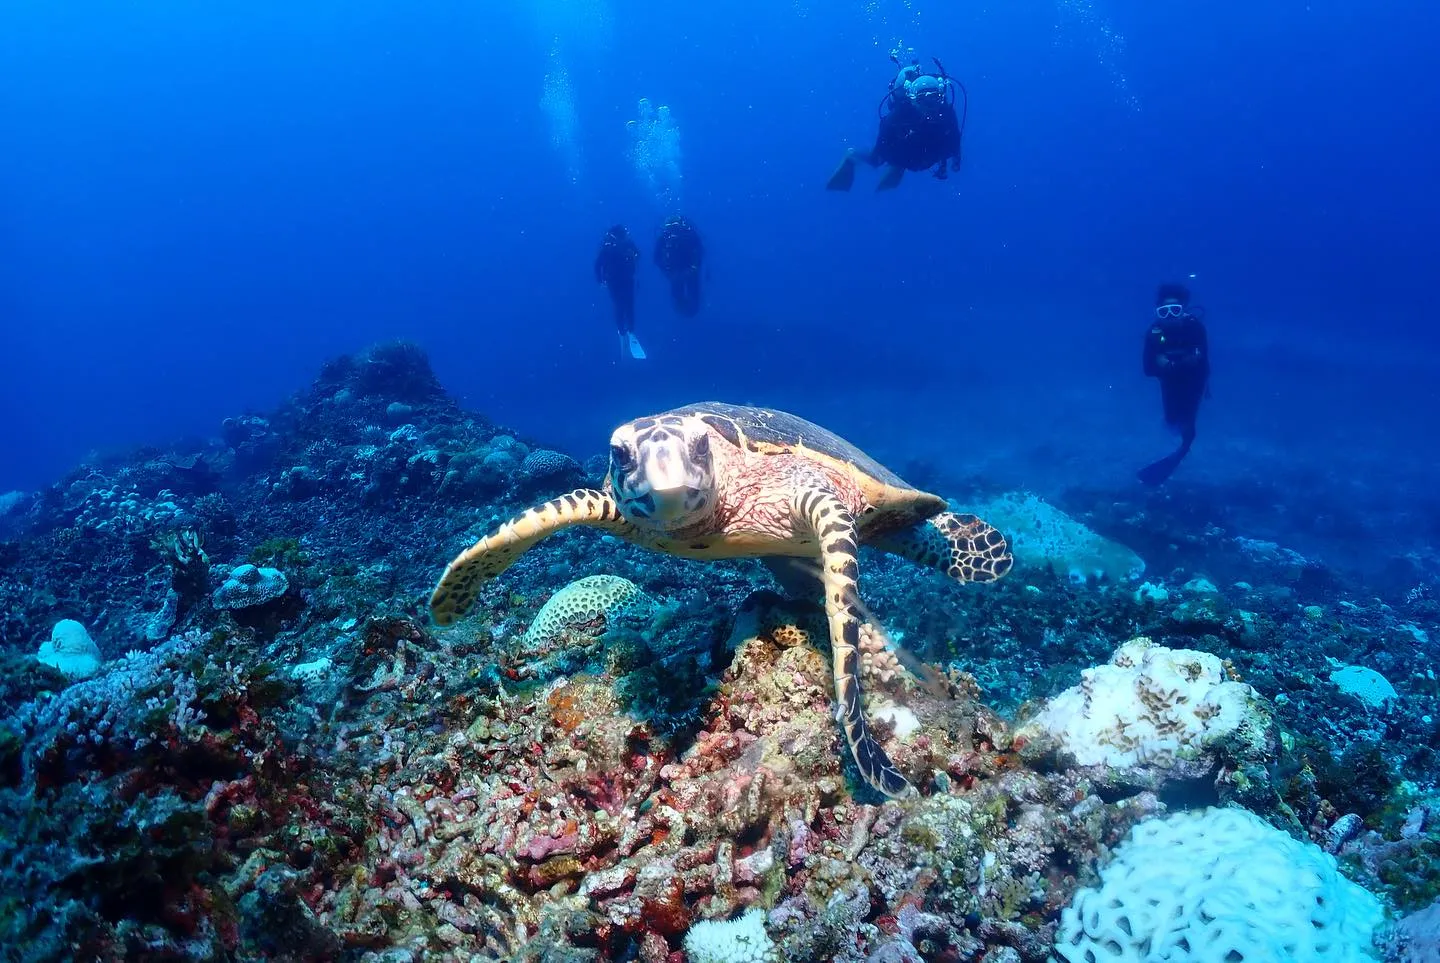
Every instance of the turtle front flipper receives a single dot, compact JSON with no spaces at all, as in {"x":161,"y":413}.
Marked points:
{"x":497,"y":551}
{"x":962,"y":546}
{"x":834,"y":527}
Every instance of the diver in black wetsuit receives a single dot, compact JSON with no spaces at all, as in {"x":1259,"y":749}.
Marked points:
{"x":1177,"y":352}
{"x":615,"y":268}
{"x":679,"y":254}
{"x":919,"y":129}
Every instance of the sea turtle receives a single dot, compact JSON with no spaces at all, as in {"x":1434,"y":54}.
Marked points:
{"x":715,"y":480}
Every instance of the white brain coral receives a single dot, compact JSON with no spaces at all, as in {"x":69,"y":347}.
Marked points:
{"x":741,"y":940}
{"x":587,"y":605}
{"x":1151,"y":706}
{"x":1218,"y":886}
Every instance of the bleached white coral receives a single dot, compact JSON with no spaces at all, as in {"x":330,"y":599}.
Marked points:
{"x":1218,"y":885}
{"x":741,"y":940}
{"x":1150,"y":705}
{"x":1042,"y":536}
{"x":71,"y":650}
{"x":1364,"y":683}
{"x":312,"y":670}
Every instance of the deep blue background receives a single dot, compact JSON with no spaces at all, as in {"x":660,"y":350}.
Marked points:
{"x":199,"y":203}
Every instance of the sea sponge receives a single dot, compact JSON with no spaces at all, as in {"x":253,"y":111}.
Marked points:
{"x":1218,"y":885}
{"x":71,"y":650}
{"x":1157,"y":707}
{"x":1042,"y":536}
{"x":248,"y":586}
{"x":587,"y":605}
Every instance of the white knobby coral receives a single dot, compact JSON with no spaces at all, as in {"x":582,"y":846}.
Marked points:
{"x":1150,"y":706}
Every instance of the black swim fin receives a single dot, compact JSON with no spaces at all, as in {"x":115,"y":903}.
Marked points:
{"x":844,"y":177}
{"x":1157,"y":472}
{"x":891,"y":178}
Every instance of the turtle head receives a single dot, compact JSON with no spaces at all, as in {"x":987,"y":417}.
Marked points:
{"x":663,"y":472}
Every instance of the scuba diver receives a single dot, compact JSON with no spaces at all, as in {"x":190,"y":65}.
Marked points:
{"x":919,"y":128}
{"x":1178,"y":353}
{"x":615,"y":268}
{"x":678,"y":254}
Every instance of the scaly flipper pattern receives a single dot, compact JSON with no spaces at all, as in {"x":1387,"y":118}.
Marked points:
{"x":834,"y":527}
{"x":962,"y":546}
{"x":497,"y":551}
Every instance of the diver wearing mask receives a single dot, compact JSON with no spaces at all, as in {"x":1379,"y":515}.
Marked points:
{"x":919,"y":128}
{"x":679,"y":254}
{"x":1177,"y":352}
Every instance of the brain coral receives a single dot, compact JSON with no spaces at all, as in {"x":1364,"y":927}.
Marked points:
{"x":588,"y":605}
{"x":543,"y":464}
{"x":1221,"y":885}
{"x":248,"y":585}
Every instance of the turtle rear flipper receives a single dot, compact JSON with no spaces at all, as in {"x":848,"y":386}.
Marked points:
{"x":834,"y":528}
{"x":497,"y":551}
{"x":962,"y":546}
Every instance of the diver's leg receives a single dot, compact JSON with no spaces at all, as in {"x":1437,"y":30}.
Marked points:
{"x":691,"y":285}
{"x":628,"y":311}
{"x":617,"y":305}
{"x":844,"y":177}
{"x":891,"y":178}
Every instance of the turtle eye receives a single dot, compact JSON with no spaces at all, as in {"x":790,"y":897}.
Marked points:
{"x":700,"y":450}
{"x":620,"y":457}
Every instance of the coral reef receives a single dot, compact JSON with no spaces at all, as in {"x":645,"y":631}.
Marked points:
{"x":626,"y":756}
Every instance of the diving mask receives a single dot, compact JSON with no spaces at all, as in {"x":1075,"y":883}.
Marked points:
{"x":1169,"y":310}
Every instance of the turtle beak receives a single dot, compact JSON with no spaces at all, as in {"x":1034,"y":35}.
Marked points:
{"x":670,"y":487}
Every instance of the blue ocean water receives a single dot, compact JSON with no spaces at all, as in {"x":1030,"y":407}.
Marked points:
{"x":201,"y":204}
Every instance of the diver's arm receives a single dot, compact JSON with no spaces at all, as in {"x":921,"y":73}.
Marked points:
{"x":1202,"y":349}
{"x":1151,"y":359}
{"x":952,"y":135}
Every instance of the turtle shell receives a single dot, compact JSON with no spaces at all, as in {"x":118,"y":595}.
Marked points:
{"x":766,"y":431}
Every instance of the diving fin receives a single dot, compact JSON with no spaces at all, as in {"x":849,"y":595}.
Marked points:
{"x":891,"y":178}
{"x":1157,"y":472}
{"x":844,"y":177}
{"x":632,"y":344}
